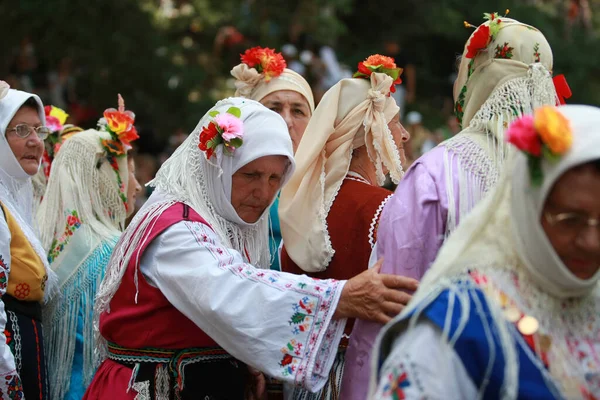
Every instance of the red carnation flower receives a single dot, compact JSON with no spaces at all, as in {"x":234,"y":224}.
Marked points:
{"x":208,"y":134}
{"x":479,"y":41}
{"x":265,"y":60}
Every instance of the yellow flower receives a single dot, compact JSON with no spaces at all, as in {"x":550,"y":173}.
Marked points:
{"x":59,"y":114}
{"x":554,"y":129}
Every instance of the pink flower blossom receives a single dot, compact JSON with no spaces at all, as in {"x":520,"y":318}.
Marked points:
{"x":231,"y":126}
{"x":523,"y":135}
{"x":53,"y":123}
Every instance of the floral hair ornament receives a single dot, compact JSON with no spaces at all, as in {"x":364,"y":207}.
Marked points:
{"x":382,"y":64}
{"x":119,"y":123}
{"x":265,"y":60}
{"x":545,"y":135}
{"x":484,"y":34}
{"x":226,"y":129}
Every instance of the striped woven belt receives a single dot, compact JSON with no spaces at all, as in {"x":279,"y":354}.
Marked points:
{"x":176,"y":360}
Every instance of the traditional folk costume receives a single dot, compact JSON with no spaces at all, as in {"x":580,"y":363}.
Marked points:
{"x":182,"y":274}
{"x":328,"y":214}
{"x":256,"y":78}
{"x":499,"y":315}
{"x":496,"y":85}
{"x":81,"y":218}
{"x":55,"y":120}
{"x":26,"y":281}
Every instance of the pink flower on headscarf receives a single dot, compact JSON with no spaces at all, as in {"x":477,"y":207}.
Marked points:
{"x":523,"y":135}
{"x":231,"y":127}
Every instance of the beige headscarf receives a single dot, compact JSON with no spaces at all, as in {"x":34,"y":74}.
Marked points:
{"x":352,"y":114}
{"x":509,"y":75}
{"x":252,"y":85}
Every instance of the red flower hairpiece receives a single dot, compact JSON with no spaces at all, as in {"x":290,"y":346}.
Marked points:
{"x":484,"y":34}
{"x":226,"y":129}
{"x":381,"y":64}
{"x":119,"y":123}
{"x":265,"y":60}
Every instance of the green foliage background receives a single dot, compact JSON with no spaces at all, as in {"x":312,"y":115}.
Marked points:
{"x":132,"y":47}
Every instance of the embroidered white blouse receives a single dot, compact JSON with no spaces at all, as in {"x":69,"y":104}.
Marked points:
{"x":276,"y":322}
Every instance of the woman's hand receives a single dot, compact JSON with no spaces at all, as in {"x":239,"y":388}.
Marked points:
{"x":375,"y":297}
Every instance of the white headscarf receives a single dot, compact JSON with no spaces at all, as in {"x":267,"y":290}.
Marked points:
{"x":502,"y":239}
{"x":205,"y":186}
{"x":16,"y":189}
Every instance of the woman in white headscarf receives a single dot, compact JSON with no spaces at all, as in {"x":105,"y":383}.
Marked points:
{"x":26,"y":281}
{"x":510,"y":309}
{"x":505,"y":72}
{"x":81,"y":218}
{"x":353,"y":139}
{"x":184,"y":275}
{"x":262,"y":76}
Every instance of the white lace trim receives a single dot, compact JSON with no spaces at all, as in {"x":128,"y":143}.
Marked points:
{"x":376,"y":219}
{"x":355,"y":176}
{"x":143,"y":390}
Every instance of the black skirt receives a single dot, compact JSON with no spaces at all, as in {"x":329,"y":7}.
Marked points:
{"x":25,"y":338}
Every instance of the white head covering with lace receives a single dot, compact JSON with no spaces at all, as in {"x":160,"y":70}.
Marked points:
{"x":502,"y":239}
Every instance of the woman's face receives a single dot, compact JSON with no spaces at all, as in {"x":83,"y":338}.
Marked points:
{"x":572,"y":202}
{"x":254,"y":186}
{"x":133,"y":187}
{"x":400,"y":136}
{"x":293,"y":108}
{"x":28,"y":151}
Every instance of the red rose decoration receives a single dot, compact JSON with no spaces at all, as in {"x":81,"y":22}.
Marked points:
{"x":265,"y":60}
{"x":206,"y":136}
{"x":523,"y":135}
{"x":479,"y":41}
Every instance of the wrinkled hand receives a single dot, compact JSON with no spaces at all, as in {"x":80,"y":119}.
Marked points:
{"x":257,"y":387}
{"x":373,"y":296}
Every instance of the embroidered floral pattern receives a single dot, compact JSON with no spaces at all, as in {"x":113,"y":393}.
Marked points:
{"x":22,"y":291}
{"x":310,"y":317}
{"x":397,"y":383}
{"x":3,"y":276}
{"x":504,"y":51}
{"x":536,"y":52}
{"x":58,"y":245}
{"x":14,"y":388}
{"x":459,"y":106}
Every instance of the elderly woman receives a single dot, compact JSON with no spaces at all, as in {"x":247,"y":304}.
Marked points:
{"x":26,"y":280}
{"x":504,"y":73}
{"x":262,"y":76}
{"x":353,"y":139}
{"x":184,"y":274}
{"x":510,"y":309}
{"x":81,"y":218}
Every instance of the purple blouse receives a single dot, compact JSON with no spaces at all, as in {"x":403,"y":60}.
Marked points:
{"x":411,"y":231}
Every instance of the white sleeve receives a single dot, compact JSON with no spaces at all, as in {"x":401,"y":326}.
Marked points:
{"x":10,"y":383}
{"x":278,"y":323}
{"x":422,"y":365}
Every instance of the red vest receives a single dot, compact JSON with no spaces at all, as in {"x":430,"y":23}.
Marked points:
{"x":352,"y":224}
{"x":153,"y":321}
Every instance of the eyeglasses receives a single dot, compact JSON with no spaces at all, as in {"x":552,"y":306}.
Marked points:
{"x":24,"y":130}
{"x":572,"y":223}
